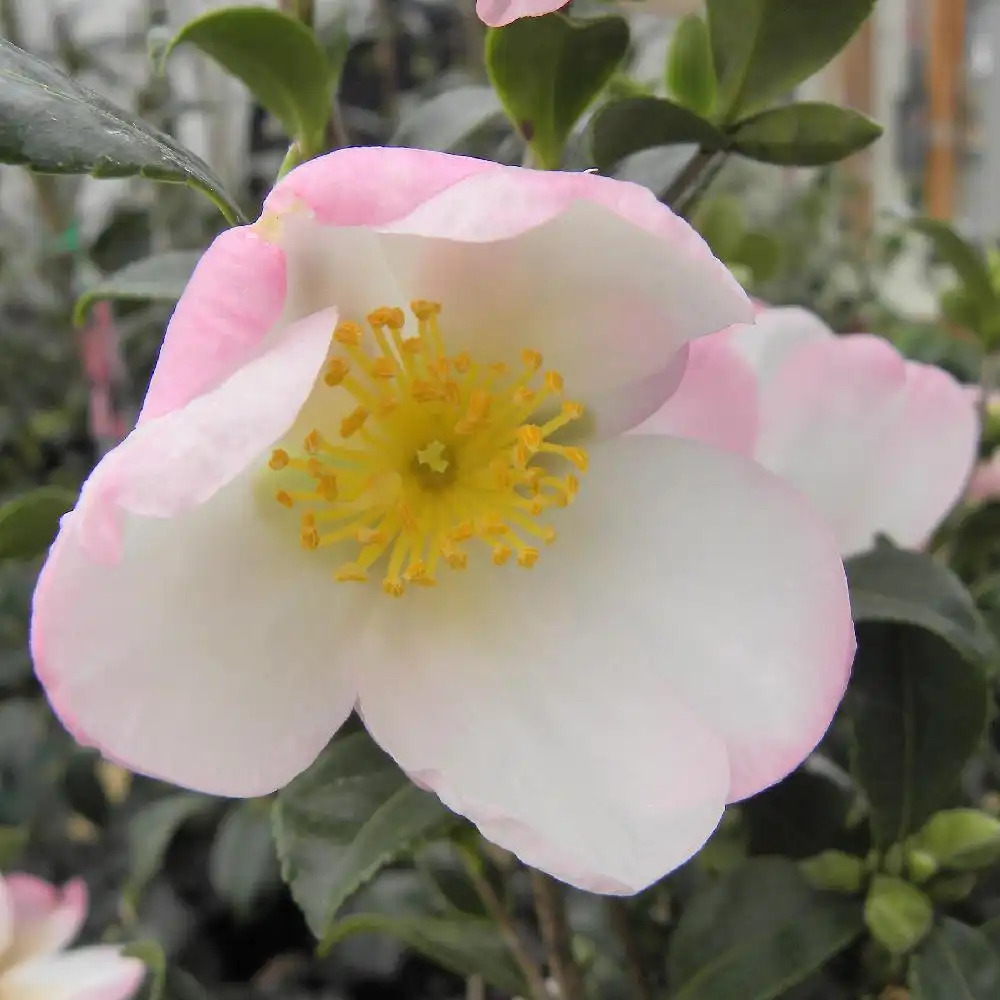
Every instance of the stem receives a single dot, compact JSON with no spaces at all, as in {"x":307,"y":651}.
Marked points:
{"x":496,"y":909}
{"x":622,"y":927}
{"x":688,"y":204}
{"x":551,"y":910}
{"x":690,"y":172}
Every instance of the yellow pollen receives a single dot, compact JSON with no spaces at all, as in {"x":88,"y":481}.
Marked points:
{"x":439,"y":455}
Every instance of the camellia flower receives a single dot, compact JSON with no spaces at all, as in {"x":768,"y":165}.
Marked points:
{"x":881,"y":445}
{"x":37,"y":922}
{"x":497,"y":13}
{"x":585,"y":642}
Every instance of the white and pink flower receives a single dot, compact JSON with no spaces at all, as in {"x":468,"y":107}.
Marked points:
{"x":331,"y":504}
{"x":879,"y":444}
{"x":37,"y":922}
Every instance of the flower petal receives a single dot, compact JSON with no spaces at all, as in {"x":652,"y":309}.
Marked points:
{"x":6,"y":917}
{"x":774,"y":334}
{"x":45,"y":919}
{"x":214,"y":653}
{"x":716,"y":402}
{"x":100,"y":972}
{"x":206,"y":443}
{"x":879,"y":444}
{"x":692,"y":605}
{"x":497,"y":13}
{"x":985,"y":483}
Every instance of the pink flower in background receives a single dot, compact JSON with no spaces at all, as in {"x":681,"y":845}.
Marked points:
{"x":37,"y":922}
{"x":877,"y":443}
{"x":497,"y":13}
{"x":380,"y":465}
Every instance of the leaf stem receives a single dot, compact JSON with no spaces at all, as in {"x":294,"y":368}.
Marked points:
{"x":689,"y":173}
{"x":550,"y":907}
{"x":622,"y":927}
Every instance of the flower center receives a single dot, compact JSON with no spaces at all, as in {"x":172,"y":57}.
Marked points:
{"x":439,"y":452}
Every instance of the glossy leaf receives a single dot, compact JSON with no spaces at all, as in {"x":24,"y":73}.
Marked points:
{"x":728,"y":944}
{"x":898,"y":914}
{"x":350,"y":814}
{"x":243,"y":862}
{"x":764,"y":48}
{"x":465,"y":945}
{"x":691,"y":78}
{"x":910,"y":588}
{"x":152,"y":955}
{"x":638,"y":123}
{"x":548,"y":70}
{"x":161,"y":278}
{"x":444,"y":121}
{"x":961,"y":838}
{"x":29,"y":523}
{"x":804,"y":135}
{"x":955,"y":962}
{"x":918,"y":710}
{"x":52,"y":124}
{"x":279,"y":60}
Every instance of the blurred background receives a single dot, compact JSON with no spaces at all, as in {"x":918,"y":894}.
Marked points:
{"x":199,"y":875}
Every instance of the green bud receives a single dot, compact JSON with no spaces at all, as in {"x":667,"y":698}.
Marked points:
{"x":921,"y":865}
{"x":897,"y":914}
{"x":962,"y":839}
{"x":836,"y":871}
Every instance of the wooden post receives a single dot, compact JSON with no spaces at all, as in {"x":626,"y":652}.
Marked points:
{"x":857,"y":82}
{"x":945,"y":50}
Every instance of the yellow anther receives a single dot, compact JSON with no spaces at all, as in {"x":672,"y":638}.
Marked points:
{"x":530,"y":437}
{"x":326,"y":488}
{"x":462,"y":362}
{"x":417,"y":573}
{"x":427,"y":392}
{"x":313,"y":442}
{"x":527,"y":557}
{"x":572,"y":486}
{"x":279,"y":459}
{"x":336,"y":371}
{"x":310,"y":538}
{"x":548,"y":534}
{"x":578,"y":457}
{"x":553,"y":381}
{"x":350,"y":573}
{"x":384,"y":368}
{"x":501,"y":553}
{"x":370,"y":536}
{"x":386,"y":405}
{"x":498,"y":368}
{"x":572,"y":410}
{"x":353,"y":422}
{"x":493,"y":524}
{"x":531,"y":359}
{"x":455,"y":558}
{"x":523,"y":396}
{"x":348,"y":333}
{"x":284,"y":498}
{"x":423,"y":309}
{"x":393,"y":587}
{"x":387,"y":316}
{"x":462,"y":532}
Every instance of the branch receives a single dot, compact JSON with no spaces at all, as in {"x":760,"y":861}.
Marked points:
{"x":622,"y":927}
{"x":550,"y":907}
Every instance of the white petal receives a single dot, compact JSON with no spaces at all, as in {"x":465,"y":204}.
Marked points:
{"x":580,"y":712}
{"x":774,"y":334}
{"x":96,"y":973}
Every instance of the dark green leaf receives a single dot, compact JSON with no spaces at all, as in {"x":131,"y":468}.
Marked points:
{"x":243,"y":863}
{"x":29,"y":523}
{"x":637,"y":123}
{"x":721,"y":222}
{"x":445,"y":120}
{"x":465,"y":945}
{"x":956,"y":962}
{"x":918,"y":710}
{"x":160,"y":279}
{"x":350,"y":814}
{"x":50,"y":123}
{"x":764,"y":48}
{"x":991,"y":931}
{"x":898,"y":914}
{"x":804,"y":135}
{"x":151,"y":831}
{"x":910,"y":588}
{"x":547,"y":71}
{"x":728,"y":944}
{"x":279,"y":60}
{"x":13,"y":840}
{"x":151,"y":953}
{"x":690,"y":71}
{"x":761,"y":253}
{"x":967,"y":261}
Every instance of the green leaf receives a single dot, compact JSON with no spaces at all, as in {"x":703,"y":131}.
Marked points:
{"x":160,"y":278}
{"x":547,"y":71}
{"x":918,"y":710}
{"x":464,"y":945}
{"x":810,"y":134}
{"x":898,"y":914}
{"x":151,"y":953}
{"x":967,"y":261}
{"x":910,"y":588}
{"x":721,"y":222}
{"x":956,"y":962}
{"x":764,"y":48}
{"x":13,"y":840}
{"x":350,"y":814}
{"x":729,"y":945}
{"x":151,"y":831}
{"x":691,"y":78}
{"x":279,"y":60}
{"x":837,"y":871}
{"x":29,"y":523}
{"x":961,"y":838}
{"x":52,"y":124}
{"x":243,"y":862}
{"x":444,"y":121}
{"x":636,"y":123}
